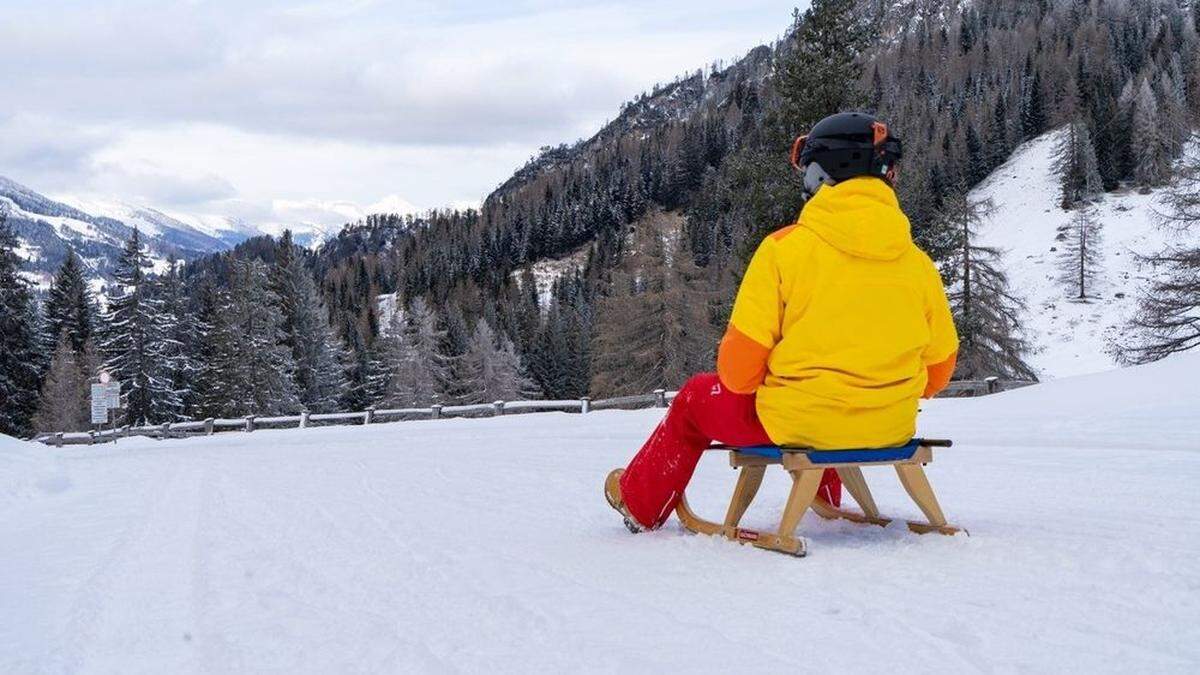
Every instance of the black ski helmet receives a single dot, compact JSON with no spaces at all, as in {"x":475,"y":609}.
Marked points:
{"x":847,"y":145}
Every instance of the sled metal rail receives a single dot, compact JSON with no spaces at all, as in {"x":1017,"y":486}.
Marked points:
{"x":656,"y":399}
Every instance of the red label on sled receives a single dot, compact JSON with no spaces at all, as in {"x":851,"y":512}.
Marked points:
{"x":747,"y":535}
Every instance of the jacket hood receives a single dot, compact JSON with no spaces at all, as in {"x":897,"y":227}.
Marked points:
{"x":860,"y":217}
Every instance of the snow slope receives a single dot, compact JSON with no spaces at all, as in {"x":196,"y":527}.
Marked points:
{"x":1070,"y":337}
{"x":485,"y":546}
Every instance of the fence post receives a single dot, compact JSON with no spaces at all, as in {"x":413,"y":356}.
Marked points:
{"x":498,"y":408}
{"x":91,"y":437}
{"x":250,"y":422}
{"x":991,"y":383}
{"x":585,"y":404}
{"x":166,"y":430}
{"x":369,"y":415}
{"x":660,"y":398}
{"x":436,"y":411}
{"x":208,"y":426}
{"x":303,"y":419}
{"x":125,"y":431}
{"x":58,"y":439}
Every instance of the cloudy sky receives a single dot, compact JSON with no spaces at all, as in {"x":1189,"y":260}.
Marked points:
{"x":283,"y":112}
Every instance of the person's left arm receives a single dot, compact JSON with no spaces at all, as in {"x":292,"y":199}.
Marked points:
{"x":754,"y":326}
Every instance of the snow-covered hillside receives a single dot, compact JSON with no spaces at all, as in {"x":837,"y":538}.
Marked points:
{"x":485,"y":546}
{"x":1070,"y":337}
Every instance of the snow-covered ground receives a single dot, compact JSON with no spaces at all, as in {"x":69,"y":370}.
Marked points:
{"x":485,"y":546}
{"x":1069,"y":337}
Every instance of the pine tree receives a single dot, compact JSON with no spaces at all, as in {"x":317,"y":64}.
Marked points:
{"x":1033,"y":112}
{"x":966,"y":32}
{"x":1079,"y":261}
{"x":359,"y":366}
{"x":977,"y":159}
{"x":316,"y":351}
{"x":986,"y":313}
{"x":560,"y":358}
{"x":493,"y":370}
{"x":455,"y":340}
{"x":386,"y":356}
{"x":820,"y":77}
{"x":69,"y":306}
{"x":818,"y":74}
{"x":206,"y":390}
{"x":1076,"y":167}
{"x":180,"y":336}
{"x":1123,"y":131}
{"x":1174,"y":118}
{"x":134,"y":341}
{"x":1167,"y":320}
{"x":421,"y":372}
{"x":1151,"y":162}
{"x":66,"y":393}
{"x":550,"y":354}
{"x":252,"y":368}
{"x":18,"y":341}
{"x":998,"y":146}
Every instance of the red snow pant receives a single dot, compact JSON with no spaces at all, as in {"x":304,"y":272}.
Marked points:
{"x":703,"y":412}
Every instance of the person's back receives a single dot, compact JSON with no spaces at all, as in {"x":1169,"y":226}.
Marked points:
{"x":841,"y":324}
{"x":848,"y":314}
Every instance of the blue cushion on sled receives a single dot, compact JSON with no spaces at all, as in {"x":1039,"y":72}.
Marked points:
{"x":838,"y":456}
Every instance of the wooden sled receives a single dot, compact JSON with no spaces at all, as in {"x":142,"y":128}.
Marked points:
{"x":806,"y":466}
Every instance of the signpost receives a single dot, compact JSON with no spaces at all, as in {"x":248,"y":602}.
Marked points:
{"x":112,"y":394}
{"x":106,"y":395}
{"x":99,"y":404}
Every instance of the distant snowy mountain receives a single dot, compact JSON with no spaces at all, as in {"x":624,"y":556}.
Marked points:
{"x":1070,"y":337}
{"x":152,"y":222}
{"x":96,"y":228}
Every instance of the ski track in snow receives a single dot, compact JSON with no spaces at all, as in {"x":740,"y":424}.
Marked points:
{"x":486,"y":546}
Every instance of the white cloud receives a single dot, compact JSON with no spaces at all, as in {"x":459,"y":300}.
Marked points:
{"x":226,"y":104}
{"x":142,"y":180}
{"x":392,"y":204}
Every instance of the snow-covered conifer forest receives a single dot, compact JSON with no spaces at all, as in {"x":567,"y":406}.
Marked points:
{"x":607,"y":266}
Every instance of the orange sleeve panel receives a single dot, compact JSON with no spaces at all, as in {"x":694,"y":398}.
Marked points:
{"x":741,"y":362}
{"x":939,"y":375}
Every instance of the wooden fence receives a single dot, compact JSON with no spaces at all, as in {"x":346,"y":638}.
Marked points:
{"x":658,"y":399}
{"x":990,"y":385}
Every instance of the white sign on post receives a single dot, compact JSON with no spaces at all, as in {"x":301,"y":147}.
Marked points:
{"x":112,"y":393}
{"x":99,"y":404}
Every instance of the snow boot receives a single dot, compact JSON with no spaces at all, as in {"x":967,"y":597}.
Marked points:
{"x":612,"y":493}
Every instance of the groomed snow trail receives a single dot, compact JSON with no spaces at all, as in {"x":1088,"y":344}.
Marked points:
{"x":485,"y":546}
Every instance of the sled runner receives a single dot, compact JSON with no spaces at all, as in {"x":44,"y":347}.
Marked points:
{"x":806,"y":466}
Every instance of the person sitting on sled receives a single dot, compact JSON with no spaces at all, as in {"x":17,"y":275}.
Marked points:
{"x":841,"y":324}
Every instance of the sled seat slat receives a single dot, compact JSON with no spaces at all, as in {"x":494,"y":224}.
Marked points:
{"x":896,"y":454}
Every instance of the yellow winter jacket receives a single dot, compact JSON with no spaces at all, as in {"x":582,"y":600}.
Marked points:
{"x":841,"y":324}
